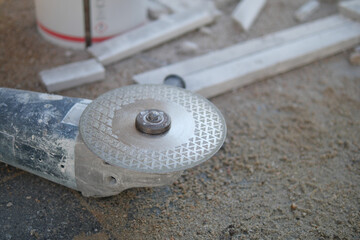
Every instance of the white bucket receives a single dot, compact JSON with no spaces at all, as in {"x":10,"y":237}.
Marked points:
{"x":63,"y":21}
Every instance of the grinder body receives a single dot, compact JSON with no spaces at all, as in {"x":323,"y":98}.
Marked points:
{"x":38,"y":133}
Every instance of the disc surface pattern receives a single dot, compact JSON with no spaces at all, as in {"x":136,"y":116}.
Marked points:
{"x":197,"y":131}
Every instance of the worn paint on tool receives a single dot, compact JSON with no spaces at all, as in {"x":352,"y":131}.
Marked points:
{"x":32,"y":136}
{"x":45,"y":96}
{"x":74,"y":114}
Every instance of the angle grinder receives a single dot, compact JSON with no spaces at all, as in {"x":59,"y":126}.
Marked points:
{"x":134,"y":136}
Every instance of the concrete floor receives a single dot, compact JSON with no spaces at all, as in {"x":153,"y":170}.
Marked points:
{"x":290,"y":167}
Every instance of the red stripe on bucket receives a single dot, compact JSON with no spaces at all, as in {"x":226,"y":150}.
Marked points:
{"x":81,"y":39}
{"x":60,"y":35}
{"x":100,"y":39}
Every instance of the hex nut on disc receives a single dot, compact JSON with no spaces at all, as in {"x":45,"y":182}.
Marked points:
{"x":153,"y":121}
{"x":108,"y":128}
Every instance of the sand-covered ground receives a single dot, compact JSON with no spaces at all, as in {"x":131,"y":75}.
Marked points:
{"x":290,"y":167}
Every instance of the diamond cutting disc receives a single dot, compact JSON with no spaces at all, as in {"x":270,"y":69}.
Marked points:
{"x":197,"y":129}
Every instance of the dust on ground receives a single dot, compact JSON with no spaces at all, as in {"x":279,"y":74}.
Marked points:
{"x":290,"y":167}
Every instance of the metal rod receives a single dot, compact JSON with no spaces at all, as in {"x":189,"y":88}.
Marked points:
{"x":87,"y":22}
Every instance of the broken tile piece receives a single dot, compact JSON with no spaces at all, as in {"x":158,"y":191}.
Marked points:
{"x":188,"y":47}
{"x":156,"y":10}
{"x":247,"y":11}
{"x":306,"y":10}
{"x":205,"y":31}
{"x":350,"y":9}
{"x":72,"y":75}
{"x":153,"y":34}
{"x":239,"y":50}
{"x":273,"y":61}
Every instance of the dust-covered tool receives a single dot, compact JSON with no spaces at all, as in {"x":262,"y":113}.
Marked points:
{"x":135,"y":136}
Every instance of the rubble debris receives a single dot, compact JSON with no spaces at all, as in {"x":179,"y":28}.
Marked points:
{"x":266,"y":60}
{"x":188,"y":47}
{"x":154,"y":33}
{"x":306,"y":10}
{"x":68,"y":54}
{"x":273,"y":61}
{"x":247,"y":11}
{"x":355,"y":58}
{"x":157,"y":10}
{"x":293,"y":207}
{"x":350,"y":9}
{"x":72,"y":75}
{"x":237,"y":51}
{"x":205,"y":30}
